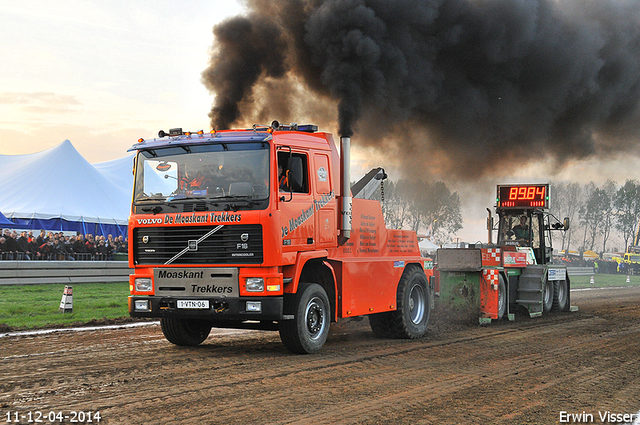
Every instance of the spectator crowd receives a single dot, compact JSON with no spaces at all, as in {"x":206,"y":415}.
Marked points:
{"x":601,"y":265}
{"x":55,"y":246}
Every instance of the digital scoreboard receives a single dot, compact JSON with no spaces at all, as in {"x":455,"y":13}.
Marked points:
{"x":523,"y":196}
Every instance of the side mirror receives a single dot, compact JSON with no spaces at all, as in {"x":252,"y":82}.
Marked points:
{"x":295,"y":174}
{"x":566,"y":223}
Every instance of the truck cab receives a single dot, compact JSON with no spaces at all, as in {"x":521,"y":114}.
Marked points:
{"x":526,"y":228}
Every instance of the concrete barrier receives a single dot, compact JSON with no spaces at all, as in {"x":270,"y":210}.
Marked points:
{"x":37,"y":272}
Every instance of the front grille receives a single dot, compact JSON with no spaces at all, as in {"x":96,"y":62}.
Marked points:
{"x":231,"y":244}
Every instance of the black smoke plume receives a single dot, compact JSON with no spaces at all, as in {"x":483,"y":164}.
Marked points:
{"x":479,"y":85}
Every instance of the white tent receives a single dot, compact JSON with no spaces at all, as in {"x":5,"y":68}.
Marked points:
{"x":55,"y":187}
{"x":427,"y":245}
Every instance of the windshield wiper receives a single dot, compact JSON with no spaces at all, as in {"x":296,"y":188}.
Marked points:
{"x":156,"y":197}
{"x":243,"y":200}
{"x":182,"y":197}
{"x":155,"y":210}
{"x":223,"y":197}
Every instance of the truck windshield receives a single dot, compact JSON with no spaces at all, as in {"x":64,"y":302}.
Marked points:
{"x":225,"y":172}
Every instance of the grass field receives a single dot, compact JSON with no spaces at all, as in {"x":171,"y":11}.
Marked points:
{"x":603,"y":280}
{"x":37,"y":306}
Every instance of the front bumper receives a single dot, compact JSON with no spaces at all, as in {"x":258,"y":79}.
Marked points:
{"x":219,"y":308}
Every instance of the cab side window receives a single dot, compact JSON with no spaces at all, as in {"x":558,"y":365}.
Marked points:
{"x":293,"y":171}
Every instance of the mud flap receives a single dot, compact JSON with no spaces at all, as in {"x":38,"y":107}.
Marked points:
{"x":432,"y":292}
{"x":569,"y":307}
{"x":530,"y":289}
{"x":489,"y":290}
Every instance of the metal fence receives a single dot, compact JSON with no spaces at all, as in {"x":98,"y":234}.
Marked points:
{"x":78,"y":256}
{"x":580,"y":271}
{"x":37,"y":272}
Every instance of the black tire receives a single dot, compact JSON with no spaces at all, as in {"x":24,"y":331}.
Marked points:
{"x":307,"y":332}
{"x":502,"y":298}
{"x":560,"y":295}
{"x":547,"y":295}
{"x":411,"y":318}
{"x":184,"y":332}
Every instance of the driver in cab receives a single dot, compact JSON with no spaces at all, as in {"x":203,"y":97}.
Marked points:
{"x":195,"y":180}
{"x":521,"y":230}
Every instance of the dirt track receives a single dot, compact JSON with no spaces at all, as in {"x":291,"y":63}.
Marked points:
{"x":526,"y":371}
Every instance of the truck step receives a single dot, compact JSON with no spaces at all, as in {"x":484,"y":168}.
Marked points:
{"x":528,"y":302}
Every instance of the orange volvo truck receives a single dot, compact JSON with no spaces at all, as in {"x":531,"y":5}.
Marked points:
{"x":259,"y":229}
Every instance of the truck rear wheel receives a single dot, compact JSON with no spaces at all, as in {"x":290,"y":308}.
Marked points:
{"x":308,"y":331}
{"x":411,"y":318}
{"x":560,"y":295}
{"x":185,"y":332}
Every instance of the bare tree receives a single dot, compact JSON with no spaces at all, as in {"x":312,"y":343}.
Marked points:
{"x":396,"y":204}
{"x":591,"y":215}
{"x":565,"y":202}
{"x":608,"y":193}
{"x":422,"y":206}
{"x":627,"y":203}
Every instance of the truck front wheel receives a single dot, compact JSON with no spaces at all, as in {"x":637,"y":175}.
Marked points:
{"x":186,"y":332}
{"x":411,"y":318}
{"x":307,"y":332}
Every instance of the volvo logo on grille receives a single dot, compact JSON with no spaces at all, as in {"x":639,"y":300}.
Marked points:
{"x":145,"y":239}
{"x":192,"y":244}
{"x":244,"y":237}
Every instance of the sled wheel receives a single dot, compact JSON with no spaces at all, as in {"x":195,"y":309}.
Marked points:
{"x":307,"y":332}
{"x":186,"y":332}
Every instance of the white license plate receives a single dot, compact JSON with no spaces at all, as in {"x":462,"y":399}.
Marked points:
{"x":198,"y":304}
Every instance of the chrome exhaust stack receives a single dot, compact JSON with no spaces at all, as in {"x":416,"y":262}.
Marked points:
{"x":345,"y":178}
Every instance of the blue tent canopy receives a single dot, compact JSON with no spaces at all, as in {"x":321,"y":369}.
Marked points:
{"x":61,"y":225}
{"x":4,"y":222}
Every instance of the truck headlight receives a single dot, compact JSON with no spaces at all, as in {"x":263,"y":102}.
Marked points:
{"x":143,"y":285}
{"x":254,"y":306}
{"x":255,"y":284}
{"x":142,"y":305}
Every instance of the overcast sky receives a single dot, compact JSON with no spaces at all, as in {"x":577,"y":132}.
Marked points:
{"x":103,"y":73}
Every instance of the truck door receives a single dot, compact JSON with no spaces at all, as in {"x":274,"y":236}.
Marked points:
{"x":324,"y":202}
{"x":295,"y":202}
